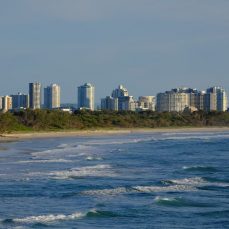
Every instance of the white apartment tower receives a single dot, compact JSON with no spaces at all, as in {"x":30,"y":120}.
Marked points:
{"x":35,"y":95}
{"x":52,"y":96}
{"x":86,"y":97}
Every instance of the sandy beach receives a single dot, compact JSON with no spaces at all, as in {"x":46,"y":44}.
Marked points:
{"x":55,"y":134}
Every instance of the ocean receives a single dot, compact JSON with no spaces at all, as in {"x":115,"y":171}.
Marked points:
{"x":138,"y":180}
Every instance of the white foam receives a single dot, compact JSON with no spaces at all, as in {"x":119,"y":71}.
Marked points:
{"x":91,"y":158}
{"x":102,"y":192}
{"x":140,"y":189}
{"x":159,"y":198}
{"x":198,"y":182}
{"x":171,"y":188}
{"x":189,"y":181}
{"x":49,"y":218}
{"x":194,"y":136}
{"x":44,"y":161}
{"x":95,"y":171}
{"x":61,"y":150}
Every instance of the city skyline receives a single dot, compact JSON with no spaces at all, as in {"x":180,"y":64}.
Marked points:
{"x":112,"y":92}
{"x":152,"y":44}
{"x":175,"y":100}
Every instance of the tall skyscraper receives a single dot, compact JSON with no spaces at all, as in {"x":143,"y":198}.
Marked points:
{"x":86,"y":97}
{"x":20,"y":101}
{"x":52,"y":96}
{"x":35,"y":95}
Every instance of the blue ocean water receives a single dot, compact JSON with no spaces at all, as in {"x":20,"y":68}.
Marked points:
{"x":151,"y":180}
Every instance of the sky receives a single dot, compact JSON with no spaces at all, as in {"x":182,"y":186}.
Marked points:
{"x":149,"y":46}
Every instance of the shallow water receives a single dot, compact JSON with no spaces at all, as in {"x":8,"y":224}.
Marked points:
{"x":157,"y":180}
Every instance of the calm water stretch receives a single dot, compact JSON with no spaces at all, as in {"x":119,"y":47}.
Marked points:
{"x":153,"y":180}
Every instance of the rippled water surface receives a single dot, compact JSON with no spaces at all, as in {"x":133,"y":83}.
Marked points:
{"x":153,"y":180}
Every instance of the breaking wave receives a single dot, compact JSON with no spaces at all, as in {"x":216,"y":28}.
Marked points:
{"x":87,"y":171}
{"x":196,"y":182}
{"x":44,"y":161}
{"x":199,"y":168}
{"x":52,"y":218}
{"x":178,"y":202}
{"x":139,"y":189}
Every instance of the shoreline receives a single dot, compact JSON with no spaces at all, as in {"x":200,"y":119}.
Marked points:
{"x":16,"y":136}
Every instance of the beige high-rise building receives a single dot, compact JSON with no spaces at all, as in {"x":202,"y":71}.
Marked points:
{"x":6,"y":103}
{"x":35,"y":95}
{"x":52,"y":96}
{"x":172,"y":101}
{"x":86,"y":97}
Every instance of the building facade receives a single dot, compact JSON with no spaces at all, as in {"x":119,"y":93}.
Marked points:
{"x":35,"y":95}
{"x":109,"y":103}
{"x":6,"y":103}
{"x":121,"y":91}
{"x":172,"y":101}
{"x":20,"y":101}
{"x":147,"y":103}
{"x":52,"y":96}
{"x":215,"y":99}
{"x":86,"y":97}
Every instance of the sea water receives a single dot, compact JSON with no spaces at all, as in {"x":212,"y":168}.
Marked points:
{"x":150,"y":180}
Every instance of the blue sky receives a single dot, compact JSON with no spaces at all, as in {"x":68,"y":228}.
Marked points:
{"x":147,"y":45}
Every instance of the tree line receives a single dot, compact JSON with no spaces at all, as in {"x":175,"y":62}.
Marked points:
{"x":53,"y":120}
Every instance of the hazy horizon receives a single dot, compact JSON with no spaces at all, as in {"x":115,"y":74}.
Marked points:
{"x":148,"y":46}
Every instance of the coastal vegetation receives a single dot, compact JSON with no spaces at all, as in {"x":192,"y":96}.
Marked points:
{"x":47,"y":120}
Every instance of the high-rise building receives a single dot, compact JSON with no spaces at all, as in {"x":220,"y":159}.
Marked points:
{"x":147,"y":103}
{"x":119,"y":92}
{"x":35,"y":95}
{"x":109,"y":103}
{"x":215,"y":99}
{"x":52,"y":96}
{"x":6,"y":103}
{"x":125,"y":102}
{"x":175,"y":100}
{"x":86,"y":97}
{"x":1,"y":102}
{"x":20,"y":101}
